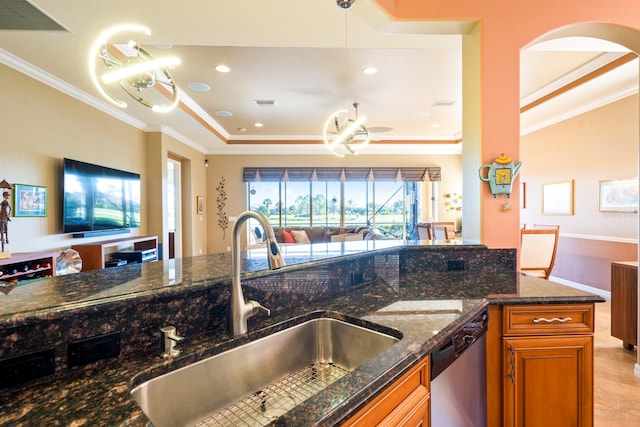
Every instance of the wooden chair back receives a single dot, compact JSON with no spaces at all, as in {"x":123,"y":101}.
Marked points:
{"x":443,"y":232}
{"x":426,"y":229}
{"x":538,"y":251}
{"x":543,"y":226}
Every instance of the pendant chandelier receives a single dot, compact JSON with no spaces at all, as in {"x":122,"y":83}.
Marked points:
{"x":341,"y":134}
{"x":133,"y":69}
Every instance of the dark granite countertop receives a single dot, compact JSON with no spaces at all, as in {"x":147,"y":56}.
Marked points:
{"x":61,"y":293}
{"x":423,"y":314}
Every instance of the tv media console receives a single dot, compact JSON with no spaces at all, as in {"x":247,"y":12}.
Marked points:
{"x":95,"y":255}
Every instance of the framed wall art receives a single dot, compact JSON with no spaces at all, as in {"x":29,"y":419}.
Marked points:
{"x":619,"y":195}
{"x":29,"y":200}
{"x":200,"y":205}
{"x":557,"y":198}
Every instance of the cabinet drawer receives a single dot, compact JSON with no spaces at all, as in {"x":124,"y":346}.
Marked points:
{"x":548,"y":319}
{"x":403,"y":400}
{"x":411,"y":412}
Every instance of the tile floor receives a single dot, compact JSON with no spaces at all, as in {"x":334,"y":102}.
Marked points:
{"x":617,"y":389}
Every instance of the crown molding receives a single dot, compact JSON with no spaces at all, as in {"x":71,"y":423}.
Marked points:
{"x":50,"y":80}
{"x":581,"y":109}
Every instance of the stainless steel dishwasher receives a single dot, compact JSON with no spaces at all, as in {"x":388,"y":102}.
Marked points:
{"x":458,"y":377}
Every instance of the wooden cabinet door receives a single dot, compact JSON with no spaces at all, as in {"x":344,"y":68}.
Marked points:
{"x":624,"y":303}
{"x":548,"y":381}
{"x":405,"y":403}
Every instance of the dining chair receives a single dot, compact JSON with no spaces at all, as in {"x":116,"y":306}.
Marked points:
{"x":543,"y":226}
{"x":430,"y":225}
{"x":538,"y":251}
{"x":443,"y":232}
{"x":424,"y":230}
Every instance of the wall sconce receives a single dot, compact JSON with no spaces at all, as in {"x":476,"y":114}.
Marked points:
{"x":206,"y":163}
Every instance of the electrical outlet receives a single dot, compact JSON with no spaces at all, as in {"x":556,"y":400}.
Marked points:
{"x":19,"y":369}
{"x":455,"y":265}
{"x":357,"y":278}
{"x":92,"y":349}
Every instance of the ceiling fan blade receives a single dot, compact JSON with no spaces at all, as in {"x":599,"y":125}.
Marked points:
{"x":379,"y":129}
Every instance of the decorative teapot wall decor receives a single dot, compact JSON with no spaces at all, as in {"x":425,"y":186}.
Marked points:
{"x":501,"y":174}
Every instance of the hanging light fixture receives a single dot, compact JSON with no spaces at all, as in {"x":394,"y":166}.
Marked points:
{"x":132,"y":68}
{"x":343,"y":135}
{"x":345,"y":4}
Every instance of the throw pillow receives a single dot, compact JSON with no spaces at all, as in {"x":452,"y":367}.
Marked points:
{"x":287,"y":237}
{"x":351,"y":237}
{"x":316,"y":235}
{"x":300,"y":236}
{"x":277,"y":231}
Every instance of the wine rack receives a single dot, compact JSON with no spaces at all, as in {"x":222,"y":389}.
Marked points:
{"x":22,"y":267}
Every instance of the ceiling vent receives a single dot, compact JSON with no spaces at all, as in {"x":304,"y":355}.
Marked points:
{"x":22,"y":15}
{"x":443,"y":104}
{"x":265,"y":102}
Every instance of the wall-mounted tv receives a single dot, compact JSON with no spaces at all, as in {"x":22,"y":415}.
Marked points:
{"x":98,"y":198}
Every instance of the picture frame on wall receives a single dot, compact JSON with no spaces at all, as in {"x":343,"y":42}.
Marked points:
{"x":29,"y":200}
{"x":557,"y":198}
{"x":618,"y":195}
{"x":200,"y":205}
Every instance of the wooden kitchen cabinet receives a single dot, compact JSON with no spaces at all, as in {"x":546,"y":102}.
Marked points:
{"x":548,"y":381}
{"x":541,"y":372}
{"x":624,"y":302}
{"x":404,"y":403}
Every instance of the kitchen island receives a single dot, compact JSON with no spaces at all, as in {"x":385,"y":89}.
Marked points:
{"x":354,"y":281}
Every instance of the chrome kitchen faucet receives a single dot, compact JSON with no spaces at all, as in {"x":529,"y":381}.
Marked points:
{"x":240,"y":310}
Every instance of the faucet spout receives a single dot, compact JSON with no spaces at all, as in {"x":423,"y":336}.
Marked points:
{"x":240,"y":309}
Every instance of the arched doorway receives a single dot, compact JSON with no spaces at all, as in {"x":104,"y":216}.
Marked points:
{"x":593,"y":235}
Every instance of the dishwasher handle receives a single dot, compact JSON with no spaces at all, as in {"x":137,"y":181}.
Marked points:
{"x":442,"y":357}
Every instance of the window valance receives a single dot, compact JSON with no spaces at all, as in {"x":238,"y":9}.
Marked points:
{"x":409,"y":174}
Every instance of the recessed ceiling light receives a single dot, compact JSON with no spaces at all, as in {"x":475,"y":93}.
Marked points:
{"x":199,"y":87}
{"x":258,"y":124}
{"x":224,"y":113}
{"x":223,"y":69}
{"x":435,"y":125}
{"x":369,"y":70}
{"x":420,"y":115}
{"x":242,"y":129}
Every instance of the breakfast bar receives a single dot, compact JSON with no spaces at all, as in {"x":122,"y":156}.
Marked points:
{"x":371,"y":284}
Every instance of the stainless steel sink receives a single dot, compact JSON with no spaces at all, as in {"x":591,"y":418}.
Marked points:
{"x":255,"y":383}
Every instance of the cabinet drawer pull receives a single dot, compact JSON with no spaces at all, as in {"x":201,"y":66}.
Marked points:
{"x":552,"y":320}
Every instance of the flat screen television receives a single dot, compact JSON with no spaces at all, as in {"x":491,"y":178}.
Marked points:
{"x":98,"y":198}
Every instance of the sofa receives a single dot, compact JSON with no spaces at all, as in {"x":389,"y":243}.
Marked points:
{"x":309,"y":235}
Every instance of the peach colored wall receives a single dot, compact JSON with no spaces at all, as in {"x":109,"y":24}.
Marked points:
{"x":507,"y":27}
